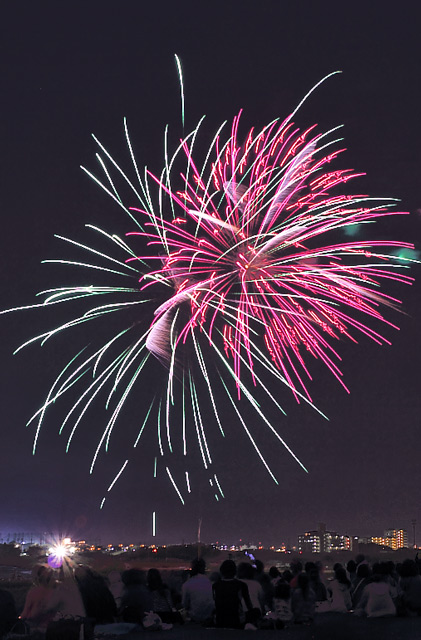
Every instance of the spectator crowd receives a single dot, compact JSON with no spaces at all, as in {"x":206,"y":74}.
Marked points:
{"x":237,"y":596}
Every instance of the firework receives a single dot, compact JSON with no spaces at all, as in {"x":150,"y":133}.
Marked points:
{"x":238,"y":276}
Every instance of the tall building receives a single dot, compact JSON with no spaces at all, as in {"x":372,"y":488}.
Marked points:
{"x":398,"y":538}
{"x":310,"y":542}
{"x":323,"y":541}
{"x":393,"y":538}
{"x":337,"y":542}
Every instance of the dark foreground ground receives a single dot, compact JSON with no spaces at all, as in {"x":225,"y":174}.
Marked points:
{"x":327,"y":626}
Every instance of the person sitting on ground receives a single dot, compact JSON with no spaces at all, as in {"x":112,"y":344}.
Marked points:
{"x":287,"y":576}
{"x":296,"y":568}
{"x":360,"y":559}
{"x":275,"y":576}
{"x":316,"y":584}
{"x":351,"y":567}
{"x":321,"y":568}
{"x":282,"y":603}
{"x":116,"y":587}
{"x":363,"y":579}
{"x":229,"y":593}
{"x":196,"y":594}
{"x":39,"y":607}
{"x":376,"y":600}
{"x":136,"y":599}
{"x":303,"y":603}
{"x":392,"y":578}
{"x":98,"y":600}
{"x":162,"y":602}
{"x":67,"y":599}
{"x":340,"y":591}
{"x":410,"y":587}
{"x":245,"y":573}
{"x":263,"y":578}
{"x":8,"y":615}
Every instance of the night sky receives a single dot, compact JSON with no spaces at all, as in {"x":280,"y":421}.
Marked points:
{"x":72,"y":69}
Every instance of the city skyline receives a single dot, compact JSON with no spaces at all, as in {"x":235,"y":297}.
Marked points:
{"x":401,"y":535}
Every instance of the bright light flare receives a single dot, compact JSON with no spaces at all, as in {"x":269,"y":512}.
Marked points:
{"x":59,"y":553}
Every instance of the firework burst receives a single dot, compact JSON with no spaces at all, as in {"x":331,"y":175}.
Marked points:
{"x":238,"y":275}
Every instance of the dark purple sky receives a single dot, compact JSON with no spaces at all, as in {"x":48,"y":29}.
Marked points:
{"x":69,"y":70}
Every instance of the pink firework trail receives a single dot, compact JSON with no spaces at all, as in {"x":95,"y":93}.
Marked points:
{"x":243,"y":280}
{"x":255,"y":262}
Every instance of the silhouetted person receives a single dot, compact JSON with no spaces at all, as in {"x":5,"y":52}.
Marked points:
{"x":351,"y":567}
{"x":262,"y":577}
{"x":135,"y":598}
{"x":197,"y":596}
{"x":316,"y":584}
{"x":274,"y":576}
{"x":340,"y":590}
{"x":116,"y":587}
{"x":162,"y":603}
{"x":360,"y":559}
{"x":245,"y":573}
{"x":303,"y":602}
{"x":282,"y":607}
{"x":376,"y":600}
{"x":7,"y":612}
{"x":98,"y":600}
{"x":296,"y":568}
{"x":363,"y":579}
{"x":228,"y":593}
{"x":410,"y":584}
{"x":287,"y":575}
{"x":39,"y":603}
{"x":67,"y":598}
